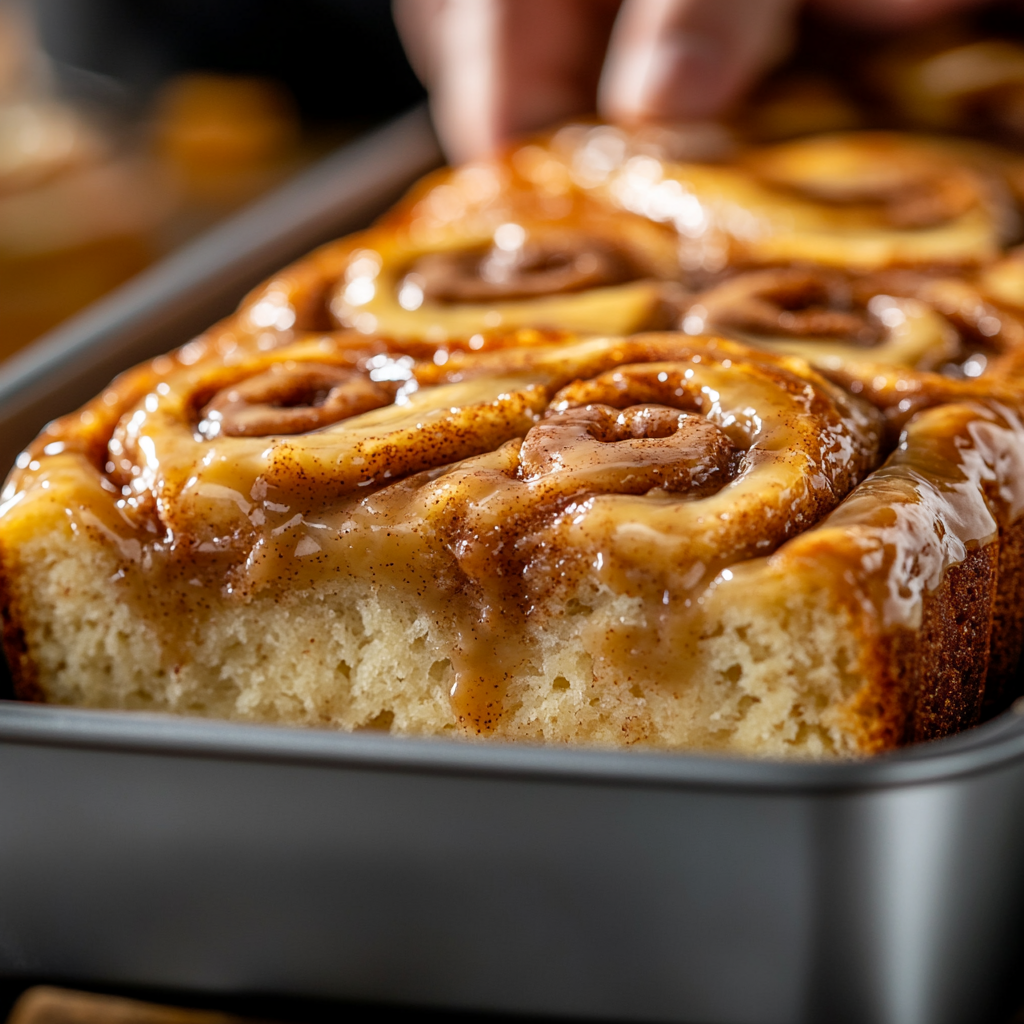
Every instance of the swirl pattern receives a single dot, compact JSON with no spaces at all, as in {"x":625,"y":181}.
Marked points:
{"x":430,"y":480}
{"x":533,"y":517}
{"x":291,"y":398}
{"x":838,"y":320}
{"x":595,"y":230}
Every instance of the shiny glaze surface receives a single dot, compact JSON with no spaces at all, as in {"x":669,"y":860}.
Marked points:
{"x":419,"y":407}
{"x":502,"y":479}
{"x":864,"y":200}
{"x":494,"y":487}
{"x":835,"y":319}
{"x":591,"y":229}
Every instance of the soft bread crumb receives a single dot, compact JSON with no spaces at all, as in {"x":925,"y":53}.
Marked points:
{"x":770,"y":675}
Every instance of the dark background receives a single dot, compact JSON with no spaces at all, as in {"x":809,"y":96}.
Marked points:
{"x":341,"y":59}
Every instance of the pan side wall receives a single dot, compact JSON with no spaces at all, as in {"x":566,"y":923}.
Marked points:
{"x":485,"y":893}
{"x":534,"y":896}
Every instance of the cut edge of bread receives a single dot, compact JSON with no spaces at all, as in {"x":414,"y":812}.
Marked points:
{"x":780,"y":665}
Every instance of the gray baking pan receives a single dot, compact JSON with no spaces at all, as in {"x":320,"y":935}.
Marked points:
{"x":169,"y":853}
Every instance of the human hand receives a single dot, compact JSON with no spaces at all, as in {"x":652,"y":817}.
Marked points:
{"x":498,"y":68}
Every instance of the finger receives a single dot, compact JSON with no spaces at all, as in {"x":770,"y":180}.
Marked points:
{"x":687,"y":59}
{"x":498,"y":68}
{"x":892,"y":13}
{"x":416,"y":21}
{"x":449,"y":43}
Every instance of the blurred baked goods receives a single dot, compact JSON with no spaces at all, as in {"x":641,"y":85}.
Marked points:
{"x":798,"y":104}
{"x":76,"y":216}
{"x":222,"y":140}
{"x":76,"y":219}
{"x":957,"y":81}
{"x":86,"y":201}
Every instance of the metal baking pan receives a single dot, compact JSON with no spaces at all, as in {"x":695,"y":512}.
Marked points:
{"x":138,"y":850}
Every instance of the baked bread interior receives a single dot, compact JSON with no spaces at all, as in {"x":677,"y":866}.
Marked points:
{"x":637,"y":540}
{"x":591,"y":443}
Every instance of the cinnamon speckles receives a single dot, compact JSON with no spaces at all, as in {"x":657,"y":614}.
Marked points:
{"x":292,"y":398}
{"x":599,"y":449}
{"x":495,"y":491}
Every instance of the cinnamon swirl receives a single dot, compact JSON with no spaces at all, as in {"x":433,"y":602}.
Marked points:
{"x":430,"y":480}
{"x":662,"y":540}
{"x":595,"y":230}
{"x":474,"y":252}
{"x":860,"y":200}
{"x":838,"y":321}
{"x":962,"y":82}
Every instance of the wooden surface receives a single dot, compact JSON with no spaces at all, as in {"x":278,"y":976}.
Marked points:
{"x":44,"y":1004}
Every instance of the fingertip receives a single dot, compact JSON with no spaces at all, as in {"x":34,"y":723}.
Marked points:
{"x":684,"y":76}
{"x":462,"y":88}
{"x":689,"y":59}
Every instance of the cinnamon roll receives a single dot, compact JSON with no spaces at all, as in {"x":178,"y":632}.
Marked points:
{"x":859,"y":200}
{"x":594,"y":230}
{"x":664,"y":540}
{"x":430,"y":479}
{"x":473,"y":254}
{"x":837,"y":320}
{"x":961,"y":82}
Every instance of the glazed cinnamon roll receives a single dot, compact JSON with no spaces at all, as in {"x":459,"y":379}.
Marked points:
{"x":472,"y":254}
{"x":594,"y":230}
{"x":672,"y":541}
{"x":955,"y":81}
{"x":429,"y":480}
{"x":860,"y":200}
{"x":838,"y":320}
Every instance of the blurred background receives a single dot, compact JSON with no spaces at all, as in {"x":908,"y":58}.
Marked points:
{"x":129,"y":126}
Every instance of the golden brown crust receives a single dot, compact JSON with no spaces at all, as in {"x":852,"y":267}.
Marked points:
{"x":365,"y":419}
{"x":24,"y":674}
{"x":953,"y":648}
{"x":1004,"y":682}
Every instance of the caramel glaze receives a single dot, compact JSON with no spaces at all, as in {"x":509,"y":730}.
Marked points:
{"x":493,"y":488}
{"x":789,"y":301}
{"x":527,"y":270}
{"x":881,"y":176}
{"x":479,"y":253}
{"x":864,"y":200}
{"x":917,"y":319}
{"x":292,"y":398}
{"x":592,"y":229}
{"x":499,"y":487}
{"x":939,"y":526}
